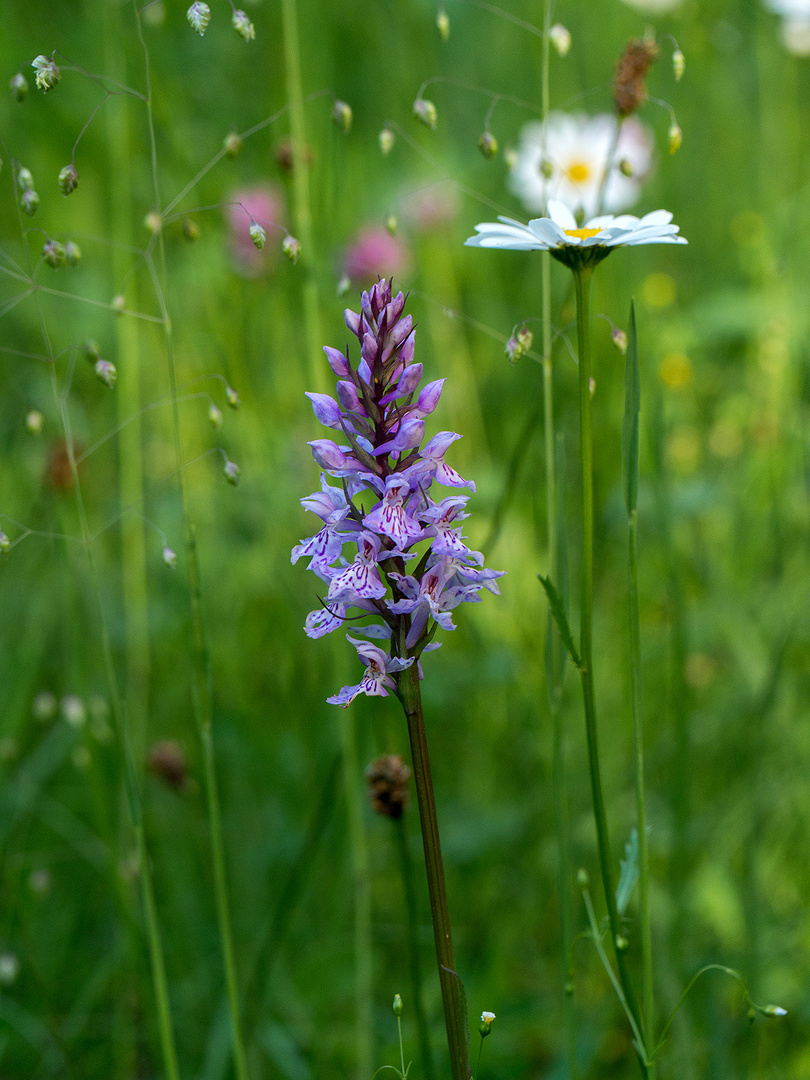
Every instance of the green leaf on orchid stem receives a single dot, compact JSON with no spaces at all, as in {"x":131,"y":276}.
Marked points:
{"x":632,"y":408}
{"x":628,"y":875}
{"x":558,"y":611}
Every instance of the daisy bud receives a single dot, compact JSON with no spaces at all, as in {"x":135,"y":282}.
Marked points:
{"x":153,"y":222}
{"x":215,"y":416}
{"x":678,"y":64}
{"x":488,"y":145}
{"x":91,"y":351}
{"x":485,"y":1024}
{"x":619,"y":339}
{"x":73,"y":253}
{"x":48,"y":74}
{"x":29,"y":201}
{"x":231,"y":471}
{"x":119,"y":304}
{"x":243,"y":26}
{"x":34,"y":421}
{"x":19,"y":87}
{"x":68,"y":179}
{"x":391,"y":224}
{"x":443,"y":24}
{"x":232,"y":145}
{"x":191,"y":230}
{"x":233,"y":399}
{"x":675,"y":138}
{"x":386,"y":138}
{"x":5,"y":543}
{"x":583,"y":880}
{"x":397,"y":1005}
{"x":291,"y":248}
{"x":560,"y":38}
{"x":199,"y":16}
{"x":773,"y":1010}
{"x":625,"y":168}
{"x":53,"y":253}
{"x":169,"y":557}
{"x":425,"y":112}
{"x":25,"y":180}
{"x":106,"y":373}
{"x":342,"y":115}
{"x":257,"y":235}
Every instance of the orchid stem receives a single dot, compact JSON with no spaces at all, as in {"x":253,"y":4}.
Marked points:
{"x":582,"y":281}
{"x":454,"y":1018}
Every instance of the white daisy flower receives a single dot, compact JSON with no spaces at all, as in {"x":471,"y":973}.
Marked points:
{"x":566,"y":158}
{"x":572,"y":245}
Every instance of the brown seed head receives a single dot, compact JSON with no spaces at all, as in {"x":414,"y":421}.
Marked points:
{"x":167,"y":762}
{"x":629,"y":89}
{"x":388,"y":778}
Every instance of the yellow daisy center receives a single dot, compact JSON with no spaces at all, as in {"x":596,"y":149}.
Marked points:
{"x":583,"y":234}
{"x":578,"y":172}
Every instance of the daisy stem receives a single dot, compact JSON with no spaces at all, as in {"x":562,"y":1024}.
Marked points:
{"x":454,"y":1017}
{"x":582,"y":282}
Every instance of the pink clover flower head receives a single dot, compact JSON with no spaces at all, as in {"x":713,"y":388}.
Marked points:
{"x":375,"y":253}
{"x":262,"y":205}
{"x":382,"y":515}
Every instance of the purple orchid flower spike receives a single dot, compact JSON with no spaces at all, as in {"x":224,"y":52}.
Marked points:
{"x":380,"y":515}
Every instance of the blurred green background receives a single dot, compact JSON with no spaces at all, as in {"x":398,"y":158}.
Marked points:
{"x":723,"y":539}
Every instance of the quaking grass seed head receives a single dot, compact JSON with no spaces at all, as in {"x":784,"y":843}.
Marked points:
{"x":68,"y":179}
{"x":199,"y":16}
{"x":243,"y":26}
{"x":73,"y":253}
{"x":18,"y":87}
{"x":47,"y":73}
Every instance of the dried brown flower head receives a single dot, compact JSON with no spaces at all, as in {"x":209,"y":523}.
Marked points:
{"x":629,"y":87}
{"x":167,"y":762}
{"x":388,"y":778}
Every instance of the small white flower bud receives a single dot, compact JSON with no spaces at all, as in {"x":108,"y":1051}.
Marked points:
{"x":243,"y":26}
{"x":387,"y":140}
{"x":215,"y":416}
{"x":53,"y":253}
{"x":678,"y":64}
{"x":73,"y":710}
{"x":342,"y":115}
{"x":425,"y":112}
{"x":34,"y":421}
{"x":48,"y":74}
{"x":232,"y":397}
{"x":488,"y":145}
{"x":199,"y":16}
{"x":675,"y":138}
{"x":73,"y":253}
{"x":169,"y":557}
{"x":391,"y":224}
{"x":257,"y":235}
{"x":153,"y":222}
{"x":485,"y":1024}
{"x":560,"y":38}
{"x":68,"y":179}
{"x":232,"y":145}
{"x":19,"y":87}
{"x":232,"y":472}
{"x":106,"y":373}
{"x":443,"y":24}
{"x":773,"y":1010}
{"x":291,"y":248}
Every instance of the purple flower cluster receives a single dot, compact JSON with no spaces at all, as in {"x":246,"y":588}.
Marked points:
{"x":381,"y":412}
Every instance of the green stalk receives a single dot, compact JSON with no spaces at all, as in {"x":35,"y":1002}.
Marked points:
{"x":302,"y":205}
{"x":582,"y":281}
{"x":423,"y":1032}
{"x":630,"y":454}
{"x":363,"y":975}
{"x":201,"y":673}
{"x":454,"y":1013}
